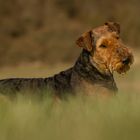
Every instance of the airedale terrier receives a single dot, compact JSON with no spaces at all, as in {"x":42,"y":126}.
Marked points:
{"x":103,"y":53}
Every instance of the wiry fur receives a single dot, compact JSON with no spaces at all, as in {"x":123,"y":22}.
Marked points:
{"x":103,"y":52}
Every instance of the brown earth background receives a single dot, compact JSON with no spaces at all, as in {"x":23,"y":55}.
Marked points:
{"x":37,"y":37}
{"x":46,"y":30}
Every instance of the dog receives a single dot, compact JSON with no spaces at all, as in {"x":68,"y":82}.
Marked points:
{"x":102,"y":53}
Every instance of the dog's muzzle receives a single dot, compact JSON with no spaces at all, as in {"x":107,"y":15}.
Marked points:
{"x":125,"y":64}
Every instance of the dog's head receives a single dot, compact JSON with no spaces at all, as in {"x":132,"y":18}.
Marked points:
{"x":107,"y":52}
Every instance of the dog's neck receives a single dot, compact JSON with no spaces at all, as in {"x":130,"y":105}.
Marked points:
{"x":86,"y":69}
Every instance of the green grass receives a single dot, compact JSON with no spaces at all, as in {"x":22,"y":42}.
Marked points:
{"x":78,"y":118}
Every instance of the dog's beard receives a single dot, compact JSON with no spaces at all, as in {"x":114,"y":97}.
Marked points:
{"x":109,"y":69}
{"x":121,"y":68}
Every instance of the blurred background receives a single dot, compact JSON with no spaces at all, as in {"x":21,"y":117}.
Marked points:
{"x":37,"y":37}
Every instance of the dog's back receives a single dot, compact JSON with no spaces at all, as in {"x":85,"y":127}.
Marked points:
{"x":59,"y":83}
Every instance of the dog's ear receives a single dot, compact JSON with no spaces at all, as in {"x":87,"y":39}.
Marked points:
{"x":86,"y":41}
{"x":113,"y":26}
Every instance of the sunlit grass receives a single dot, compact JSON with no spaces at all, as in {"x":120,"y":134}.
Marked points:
{"x":77,"y":118}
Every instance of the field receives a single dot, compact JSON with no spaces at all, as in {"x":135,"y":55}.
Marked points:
{"x":82,"y":119}
{"x":37,"y":39}
{"x":78,"y":118}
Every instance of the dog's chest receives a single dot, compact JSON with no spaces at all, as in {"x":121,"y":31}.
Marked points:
{"x":82,"y":86}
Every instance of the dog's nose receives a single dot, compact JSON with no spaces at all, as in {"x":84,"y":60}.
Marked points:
{"x":126,"y":61}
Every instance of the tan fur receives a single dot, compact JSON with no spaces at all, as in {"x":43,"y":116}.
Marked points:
{"x":85,"y":41}
{"x":107,"y":59}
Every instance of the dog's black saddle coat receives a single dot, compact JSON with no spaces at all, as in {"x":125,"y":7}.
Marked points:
{"x":63,"y":83}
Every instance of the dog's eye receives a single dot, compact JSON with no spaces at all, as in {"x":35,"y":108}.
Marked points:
{"x":103,"y":46}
